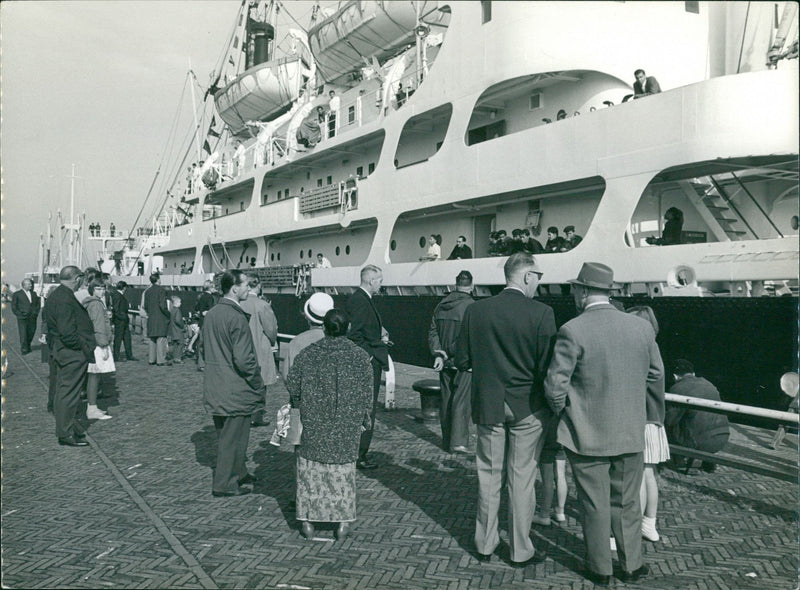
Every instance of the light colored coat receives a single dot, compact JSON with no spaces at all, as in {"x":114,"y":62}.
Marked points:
{"x":604,"y":365}
{"x":264,"y":328}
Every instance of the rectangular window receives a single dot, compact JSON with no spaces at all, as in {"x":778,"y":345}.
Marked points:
{"x":535,"y":101}
{"x":264,"y":199}
{"x":279,"y":195}
{"x":351,"y":114}
{"x":360,"y":171}
{"x":286,"y":193}
{"x":371,"y":168}
{"x":693,"y":7}
{"x":329,"y":180}
{"x":319,"y":182}
{"x":486,"y":11}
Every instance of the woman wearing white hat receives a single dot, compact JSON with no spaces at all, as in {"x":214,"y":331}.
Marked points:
{"x":314,"y":309}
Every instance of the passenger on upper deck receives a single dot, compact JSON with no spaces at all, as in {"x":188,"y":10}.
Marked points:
{"x":515,"y":244}
{"x":323,"y":262}
{"x":532,"y":245}
{"x":645,"y":85}
{"x":561,"y":115}
{"x":555,"y":243}
{"x":460,"y":250}
{"x":333,"y":105}
{"x":571,"y":238}
{"x":434,"y":250}
{"x":672,"y":229}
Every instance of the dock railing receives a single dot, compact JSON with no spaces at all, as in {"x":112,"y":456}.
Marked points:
{"x":785,"y":473}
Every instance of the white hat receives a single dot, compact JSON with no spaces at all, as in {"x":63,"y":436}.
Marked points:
{"x":317,"y":306}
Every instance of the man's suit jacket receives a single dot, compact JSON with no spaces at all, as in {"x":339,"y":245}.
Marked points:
{"x":604,"y":364}
{"x":365,"y":326}
{"x":70,"y":332}
{"x":650,"y":87}
{"x":24,"y":309}
{"x":155,"y":304}
{"x":507,"y":340}
{"x":119,"y":306}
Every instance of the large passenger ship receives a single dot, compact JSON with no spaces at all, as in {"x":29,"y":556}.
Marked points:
{"x":391,"y":122}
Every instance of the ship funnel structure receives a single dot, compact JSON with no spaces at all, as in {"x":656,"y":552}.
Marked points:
{"x":260,"y":35}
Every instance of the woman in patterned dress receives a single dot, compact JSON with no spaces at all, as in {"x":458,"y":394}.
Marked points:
{"x":331,"y":383}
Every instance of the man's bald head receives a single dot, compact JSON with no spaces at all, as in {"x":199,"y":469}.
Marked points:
{"x":69,"y":272}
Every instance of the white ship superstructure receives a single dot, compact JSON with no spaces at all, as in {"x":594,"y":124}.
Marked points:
{"x":449,"y":127}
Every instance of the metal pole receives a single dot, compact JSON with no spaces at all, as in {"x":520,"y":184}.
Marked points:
{"x":194,"y":112}
{"x":728,"y":408}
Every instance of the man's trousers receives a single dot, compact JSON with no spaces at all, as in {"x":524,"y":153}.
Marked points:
{"x":454,"y":413}
{"x":70,"y":381}
{"x":608,"y":495}
{"x":157,"y":350}
{"x":366,"y":436}
{"x":233,"y":434}
{"x":523,"y":446}
{"x":122,"y":335}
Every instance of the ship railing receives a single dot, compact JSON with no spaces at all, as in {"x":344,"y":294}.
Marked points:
{"x":343,"y":195}
{"x":782,"y":472}
{"x":106,"y":234}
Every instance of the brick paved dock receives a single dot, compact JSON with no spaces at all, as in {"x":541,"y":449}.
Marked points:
{"x":134,"y":510}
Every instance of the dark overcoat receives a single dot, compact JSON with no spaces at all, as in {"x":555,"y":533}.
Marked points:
{"x":70,"y":331}
{"x":155,"y":304}
{"x":232,"y":384}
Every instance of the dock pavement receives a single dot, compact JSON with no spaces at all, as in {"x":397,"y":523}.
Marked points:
{"x":135,"y":510}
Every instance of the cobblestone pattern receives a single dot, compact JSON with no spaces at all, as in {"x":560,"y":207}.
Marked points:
{"x":68,"y":522}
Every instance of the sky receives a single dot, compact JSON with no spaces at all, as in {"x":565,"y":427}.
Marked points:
{"x":97,"y":84}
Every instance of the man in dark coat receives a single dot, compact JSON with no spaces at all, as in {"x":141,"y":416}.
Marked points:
{"x":605,"y":365}
{"x":232,"y":388}
{"x":690,"y":427}
{"x":507,"y":340}
{"x":70,"y":335}
{"x":155,"y":305}
{"x":122,"y":330}
{"x":25,"y":304}
{"x":455,"y":385}
{"x":205,"y":302}
{"x":367,"y":331}
{"x":460,"y":251}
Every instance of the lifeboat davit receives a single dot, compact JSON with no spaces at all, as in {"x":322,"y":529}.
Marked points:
{"x":360,"y":30}
{"x":261,"y":92}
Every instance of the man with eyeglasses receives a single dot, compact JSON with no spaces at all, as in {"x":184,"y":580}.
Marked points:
{"x":507,"y":341}
{"x":460,"y":251}
{"x":70,"y":335}
{"x":366,"y":330}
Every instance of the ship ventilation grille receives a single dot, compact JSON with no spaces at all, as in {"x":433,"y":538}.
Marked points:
{"x":535,"y":101}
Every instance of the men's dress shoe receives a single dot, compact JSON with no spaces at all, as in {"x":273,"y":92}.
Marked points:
{"x":239,"y":492}
{"x":541,"y":519}
{"x":461,"y":449}
{"x":72,"y":442}
{"x":483,"y":557}
{"x":307,"y":529}
{"x":597,"y":579}
{"x":149,"y":363}
{"x":343,"y":530}
{"x":538,"y":557}
{"x":366,"y":464}
{"x":258,"y":423}
{"x":635,"y":575}
{"x":249,"y":478}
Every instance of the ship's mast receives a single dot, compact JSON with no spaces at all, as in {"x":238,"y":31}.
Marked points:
{"x":194,"y":112}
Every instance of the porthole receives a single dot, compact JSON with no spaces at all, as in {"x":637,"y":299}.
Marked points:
{"x":347,"y":250}
{"x":337,"y":250}
{"x":272,"y":257}
{"x":422,"y":242}
{"x":301,"y":253}
{"x":393,"y":245}
{"x":279,"y":256}
{"x":309,"y":252}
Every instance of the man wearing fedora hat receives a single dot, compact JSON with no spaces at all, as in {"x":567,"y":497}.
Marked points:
{"x":314,"y":309}
{"x":507,"y":340}
{"x":605,"y":363}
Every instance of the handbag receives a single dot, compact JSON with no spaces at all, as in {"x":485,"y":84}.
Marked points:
{"x":295,"y":432}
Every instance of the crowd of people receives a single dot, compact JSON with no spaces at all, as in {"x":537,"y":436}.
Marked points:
{"x":538,"y":396}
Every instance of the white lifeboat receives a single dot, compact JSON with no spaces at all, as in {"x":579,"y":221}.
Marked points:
{"x":360,"y":30}
{"x":261,"y":92}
